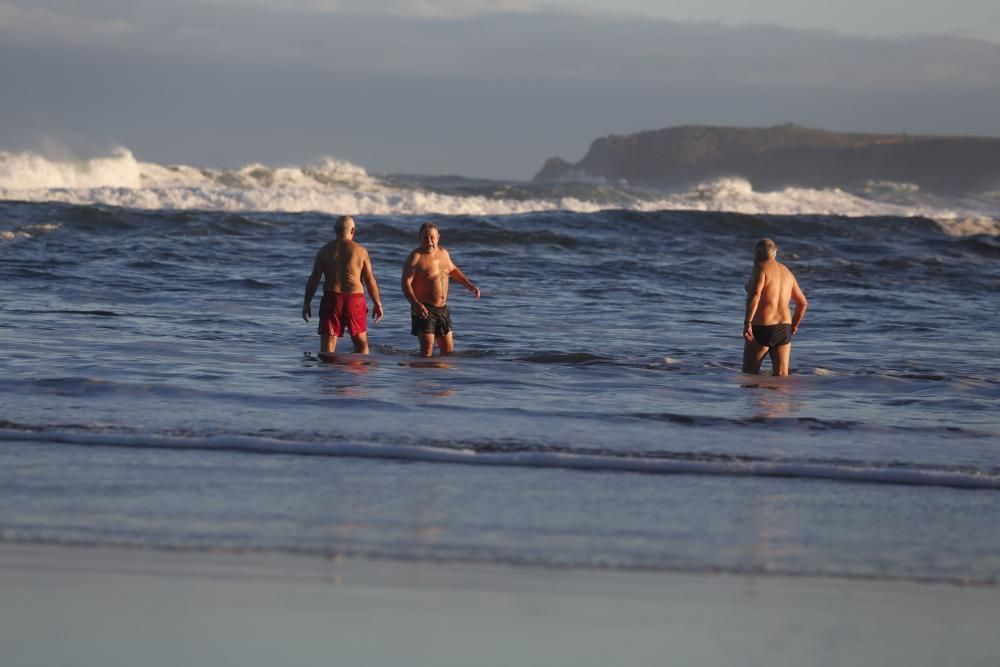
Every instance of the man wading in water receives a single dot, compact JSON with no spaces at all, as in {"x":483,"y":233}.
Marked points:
{"x":425,"y":285}
{"x":768,"y":324}
{"x":348,"y":270}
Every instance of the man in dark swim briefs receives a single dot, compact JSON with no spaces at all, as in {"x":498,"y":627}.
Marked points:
{"x":425,"y":285}
{"x":348,"y":270}
{"x":769,"y":324}
{"x":772,"y":335}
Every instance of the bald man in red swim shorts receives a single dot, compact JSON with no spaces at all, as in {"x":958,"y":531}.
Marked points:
{"x":348,"y":271}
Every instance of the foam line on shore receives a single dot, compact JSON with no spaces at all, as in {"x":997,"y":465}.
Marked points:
{"x":832,"y":471}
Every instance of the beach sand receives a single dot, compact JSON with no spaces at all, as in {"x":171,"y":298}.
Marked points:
{"x":83,"y":606}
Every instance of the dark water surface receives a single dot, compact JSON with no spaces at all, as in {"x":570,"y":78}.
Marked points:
{"x":157,"y":387}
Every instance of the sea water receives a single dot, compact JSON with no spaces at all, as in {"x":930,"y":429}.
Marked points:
{"x":158,"y":387}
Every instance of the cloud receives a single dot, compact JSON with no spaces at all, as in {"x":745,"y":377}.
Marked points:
{"x":501,"y":38}
{"x":395,"y":86}
{"x":406,"y":8}
{"x":43,"y":25}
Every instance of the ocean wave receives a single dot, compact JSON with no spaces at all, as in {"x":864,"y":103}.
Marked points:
{"x":565,"y":358}
{"x":27,"y":231}
{"x":529,"y":455}
{"x":335,"y":186}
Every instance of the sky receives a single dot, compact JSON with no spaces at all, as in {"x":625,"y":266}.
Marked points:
{"x":485,"y":88}
{"x":886,"y":18}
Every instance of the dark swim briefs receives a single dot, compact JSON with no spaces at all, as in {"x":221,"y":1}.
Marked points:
{"x":437,"y":322}
{"x":772,"y":335}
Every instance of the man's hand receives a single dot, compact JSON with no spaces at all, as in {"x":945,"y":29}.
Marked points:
{"x":306,"y":311}
{"x":377,"y":312}
{"x":475,"y":290}
{"x":748,"y":332}
{"x":421,"y":310}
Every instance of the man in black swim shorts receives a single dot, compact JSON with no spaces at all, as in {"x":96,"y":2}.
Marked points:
{"x":437,"y":321}
{"x":769,"y":324}
{"x":425,"y":285}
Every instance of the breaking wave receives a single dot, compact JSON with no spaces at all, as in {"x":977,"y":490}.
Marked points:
{"x":335,"y":186}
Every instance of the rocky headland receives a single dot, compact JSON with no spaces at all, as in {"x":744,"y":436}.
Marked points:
{"x":786,"y":156}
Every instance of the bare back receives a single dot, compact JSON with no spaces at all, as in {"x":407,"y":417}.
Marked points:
{"x":429,"y":272}
{"x":770,"y":289}
{"x":342,"y":262}
{"x":775,"y":292}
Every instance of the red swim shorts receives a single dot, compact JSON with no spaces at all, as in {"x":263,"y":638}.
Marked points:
{"x":339,"y":311}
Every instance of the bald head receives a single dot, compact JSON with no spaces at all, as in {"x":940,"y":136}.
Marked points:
{"x":764,"y":250}
{"x":344,"y":226}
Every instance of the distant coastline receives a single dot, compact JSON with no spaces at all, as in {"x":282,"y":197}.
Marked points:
{"x":786,"y":156}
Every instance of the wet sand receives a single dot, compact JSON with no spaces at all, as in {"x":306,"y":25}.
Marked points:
{"x":105,"y":607}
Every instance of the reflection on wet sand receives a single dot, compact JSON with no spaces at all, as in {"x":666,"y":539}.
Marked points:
{"x":427,"y":363}
{"x":355,"y":365}
{"x":430,"y":385}
{"x":345,"y":359}
{"x":774,"y":396}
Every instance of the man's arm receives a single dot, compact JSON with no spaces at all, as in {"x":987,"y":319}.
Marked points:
{"x":800,"y":305}
{"x":311,"y":284}
{"x":755,"y":287}
{"x":406,"y":284}
{"x":460,"y":278}
{"x":368,"y":277}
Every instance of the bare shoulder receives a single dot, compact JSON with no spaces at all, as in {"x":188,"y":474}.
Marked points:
{"x":326,"y":251}
{"x":412,"y":260}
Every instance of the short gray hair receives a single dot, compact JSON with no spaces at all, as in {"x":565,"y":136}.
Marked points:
{"x":765,"y":249}
{"x":344,"y":223}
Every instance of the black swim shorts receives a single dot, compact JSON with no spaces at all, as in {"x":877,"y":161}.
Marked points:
{"x":437,"y":322}
{"x":772,"y":335}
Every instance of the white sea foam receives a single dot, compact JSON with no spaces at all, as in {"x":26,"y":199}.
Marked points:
{"x":27,"y":231}
{"x":875,"y":187}
{"x":33,"y":172}
{"x":335,"y":186}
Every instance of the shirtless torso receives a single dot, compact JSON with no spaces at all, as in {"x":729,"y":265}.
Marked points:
{"x":774,"y":283}
{"x":430,"y":273}
{"x":426,"y":274}
{"x":345,"y":268}
{"x":769,"y":323}
{"x":342,"y":263}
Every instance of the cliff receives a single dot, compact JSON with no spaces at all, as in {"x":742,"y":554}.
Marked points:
{"x":787,"y":155}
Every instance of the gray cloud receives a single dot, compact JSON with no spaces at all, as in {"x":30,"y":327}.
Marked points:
{"x":34,"y":24}
{"x":480,"y":92}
